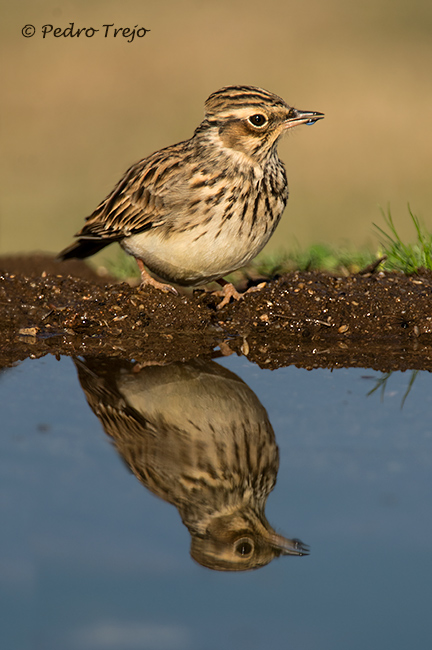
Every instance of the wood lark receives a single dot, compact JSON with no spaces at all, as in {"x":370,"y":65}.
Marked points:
{"x":196,"y":436}
{"x":200,"y":209}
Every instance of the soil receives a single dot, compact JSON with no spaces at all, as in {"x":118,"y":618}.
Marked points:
{"x":371,"y":320}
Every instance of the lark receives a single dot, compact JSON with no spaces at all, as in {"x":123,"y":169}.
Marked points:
{"x":196,"y":436}
{"x":198,"y":210}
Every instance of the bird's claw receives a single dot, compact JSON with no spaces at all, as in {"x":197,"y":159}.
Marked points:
{"x":228,"y":291}
{"x":166,"y":288}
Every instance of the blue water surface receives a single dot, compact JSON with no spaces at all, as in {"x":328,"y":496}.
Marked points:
{"x":91,"y":560}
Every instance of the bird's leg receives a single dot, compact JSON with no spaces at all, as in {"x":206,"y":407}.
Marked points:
{"x":229,"y":291}
{"x":146,"y":279}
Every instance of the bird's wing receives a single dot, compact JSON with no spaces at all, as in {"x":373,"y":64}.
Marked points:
{"x":139,"y":200}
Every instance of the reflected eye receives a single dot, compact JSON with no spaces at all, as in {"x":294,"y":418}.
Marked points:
{"x":257,"y":120}
{"x":243,"y":547}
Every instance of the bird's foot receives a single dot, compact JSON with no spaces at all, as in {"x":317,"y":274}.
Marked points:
{"x":166,"y":288}
{"x":148,"y":280}
{"x":258,"y":287}
{"x":229,"y":291}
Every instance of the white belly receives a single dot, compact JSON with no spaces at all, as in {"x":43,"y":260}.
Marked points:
{"x":197,"y":256}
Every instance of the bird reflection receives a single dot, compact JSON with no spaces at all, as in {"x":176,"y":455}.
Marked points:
{"x":197,"y":436}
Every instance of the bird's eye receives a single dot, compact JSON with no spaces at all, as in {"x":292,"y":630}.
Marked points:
{"x":243,"y":547}
{"x":257,"y":120}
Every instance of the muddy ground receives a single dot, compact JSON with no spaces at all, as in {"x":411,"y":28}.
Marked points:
{"x":372,"y":320}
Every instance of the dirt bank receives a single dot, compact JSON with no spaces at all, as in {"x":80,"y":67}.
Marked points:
{"x":382,"y":321}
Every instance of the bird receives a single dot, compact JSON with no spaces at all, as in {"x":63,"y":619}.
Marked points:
{"x":194,"y":212}
{"x":196,"y":436}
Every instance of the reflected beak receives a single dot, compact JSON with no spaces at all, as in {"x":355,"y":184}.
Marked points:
{"x":288,"y":546}
{"x":302,"y":117}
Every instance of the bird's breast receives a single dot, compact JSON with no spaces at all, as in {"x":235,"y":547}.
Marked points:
{"x":211,"y":231}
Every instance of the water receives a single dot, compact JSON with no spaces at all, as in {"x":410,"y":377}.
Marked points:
{"x":91,"y":560}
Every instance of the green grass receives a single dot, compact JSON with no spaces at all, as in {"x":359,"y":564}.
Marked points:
{"x":381,"y":384}
{"x":318,"y":257}
{"x":121,"y":266}
{"x":406,"y":258}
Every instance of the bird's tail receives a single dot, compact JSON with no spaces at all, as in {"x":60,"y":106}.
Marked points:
{"x":83,"y":248}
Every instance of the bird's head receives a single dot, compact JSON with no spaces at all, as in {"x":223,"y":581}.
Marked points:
{"x":242,"y":541}
{"x":251,"y":120}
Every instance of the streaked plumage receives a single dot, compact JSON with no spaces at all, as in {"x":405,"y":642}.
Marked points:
{"x":196,"y":436}
{"x":197,"y":210}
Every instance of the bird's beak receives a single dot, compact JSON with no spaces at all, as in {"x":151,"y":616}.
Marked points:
{"x":288,"y":546}
{"x":302,"y":117}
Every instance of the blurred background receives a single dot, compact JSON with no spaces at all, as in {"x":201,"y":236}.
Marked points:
{"x":77,"y":112}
